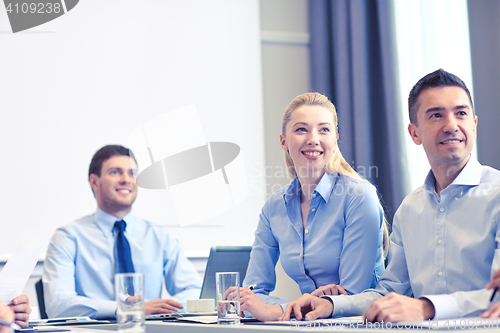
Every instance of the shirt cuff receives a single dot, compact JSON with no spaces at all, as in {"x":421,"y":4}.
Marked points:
{"x":445,"y":306}
{"x":107,"y":309}
{"x":341,"y":305}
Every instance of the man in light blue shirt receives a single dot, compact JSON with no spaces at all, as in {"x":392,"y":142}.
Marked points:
{"x":446,"y":233}
{"x":81,"y":259}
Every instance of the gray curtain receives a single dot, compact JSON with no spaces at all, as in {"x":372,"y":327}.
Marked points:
{"x":484,"y":30}
{"x":354,"y":62}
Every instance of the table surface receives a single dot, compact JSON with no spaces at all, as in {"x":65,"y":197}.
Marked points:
{"x":157,"y":326}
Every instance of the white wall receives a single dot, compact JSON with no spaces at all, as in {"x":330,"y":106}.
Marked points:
{"x":285,"y":74}
{"x":90,"y":77}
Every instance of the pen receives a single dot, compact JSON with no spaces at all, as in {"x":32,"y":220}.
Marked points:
{"x":252,"y":287}
{"x":494,"y":293}
{"x":13,"y":325}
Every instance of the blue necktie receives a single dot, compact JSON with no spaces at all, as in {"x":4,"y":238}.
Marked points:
{"x":125,"y":264}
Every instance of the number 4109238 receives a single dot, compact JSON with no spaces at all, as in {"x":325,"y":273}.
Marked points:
{"x":38,"y":8}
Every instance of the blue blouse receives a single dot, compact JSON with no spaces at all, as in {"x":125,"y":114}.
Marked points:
{"x":341,"y":243}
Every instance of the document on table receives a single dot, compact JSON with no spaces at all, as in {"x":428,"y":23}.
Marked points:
{"x":199,"y":319}
{"x":17,"y":271}
{"x":43,"y":329}
{"x":67,"y":321}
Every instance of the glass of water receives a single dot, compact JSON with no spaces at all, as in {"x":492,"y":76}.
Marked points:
{"x":129,"y":292}
{"x":228,"y":298}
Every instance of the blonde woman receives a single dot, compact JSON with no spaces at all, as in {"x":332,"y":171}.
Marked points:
{"x":327,"y":225}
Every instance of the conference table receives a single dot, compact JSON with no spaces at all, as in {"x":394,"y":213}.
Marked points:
{"x":158,"y":326}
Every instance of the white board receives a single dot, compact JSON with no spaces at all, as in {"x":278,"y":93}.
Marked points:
{"x":91,"y":76}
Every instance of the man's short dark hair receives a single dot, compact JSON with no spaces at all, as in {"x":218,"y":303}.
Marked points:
{"x":104,"y":154}
{"x":439,"y":78}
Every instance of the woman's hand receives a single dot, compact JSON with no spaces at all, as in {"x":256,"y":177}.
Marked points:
{"x":262,"y":311}
{"x":251,"y":303}
{"x":330,"y":289}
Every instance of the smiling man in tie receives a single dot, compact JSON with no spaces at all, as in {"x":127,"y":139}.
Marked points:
{"x":84,"y":256}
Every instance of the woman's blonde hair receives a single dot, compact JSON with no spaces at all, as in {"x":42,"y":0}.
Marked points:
{"x":338,"y":162}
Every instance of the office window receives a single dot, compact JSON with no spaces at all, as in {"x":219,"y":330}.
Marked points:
{"x":430,"y":34}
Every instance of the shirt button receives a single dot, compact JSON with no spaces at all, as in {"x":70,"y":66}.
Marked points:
{"x":441,"y":209}
{"x":300,"y":255}
{"x":440,"y":273}
{"x":307,"y":231}
{"x":314,"y":195}
{"x":341,"y":310}
{"x":440,"y":241}
{"x":313,"y":209}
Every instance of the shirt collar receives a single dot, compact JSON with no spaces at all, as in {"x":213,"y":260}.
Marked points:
{"x":293,"y":190}
{"x":326,"y":184}
{"x":106,"y":222}
{"x":324,"y":187}
{"x":470,"y":175}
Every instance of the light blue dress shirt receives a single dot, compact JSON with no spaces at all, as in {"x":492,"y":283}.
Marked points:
{"x":80,"y":265}
{"x":341,"y":243}
{"x":444,"y":248}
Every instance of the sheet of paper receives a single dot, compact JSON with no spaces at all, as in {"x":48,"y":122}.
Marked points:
{"x":17,"y":271}
{"x":200,"y":319}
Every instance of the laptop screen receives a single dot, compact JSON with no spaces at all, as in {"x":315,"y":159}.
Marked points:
{"x":224,"y":259}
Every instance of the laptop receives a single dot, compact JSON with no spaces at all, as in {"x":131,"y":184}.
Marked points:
{"x":221,"y":259}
